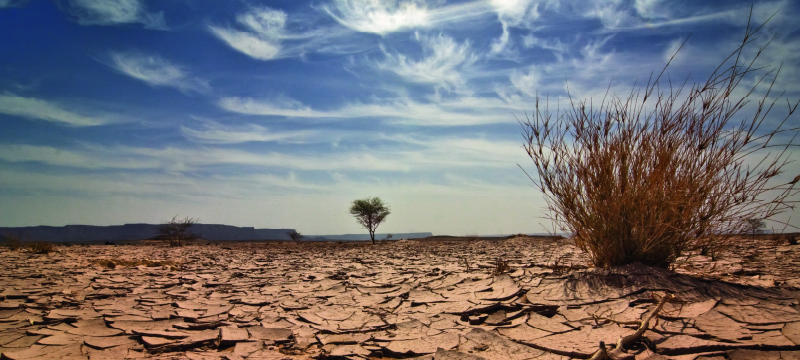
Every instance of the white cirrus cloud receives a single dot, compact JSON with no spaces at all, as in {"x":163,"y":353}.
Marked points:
{"x":279,"y":106}
{"x":516,"y":12}
{"x":75,"y":158}
{"x":512,"y":13}
{"x":156,"y":71}
{"x":379,"y":16}
{"x":104,"y":12}
{"x":462,"y":111}
{"x":215,"y":133}
{"x":618,"y":15}
{"x":34,"y":108}
{"x":261,"y":38}
{"x":442,"y":63}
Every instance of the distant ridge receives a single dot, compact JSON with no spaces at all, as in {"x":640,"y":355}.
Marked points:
{"x":129,"y":232}
{"x":212,"y":232}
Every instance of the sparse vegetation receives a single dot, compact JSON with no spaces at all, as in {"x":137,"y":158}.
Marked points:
{"x":369,"y":212}
{"x":40,"y":247}
{"x":176,"y":231}
{"x":13,"y":241}
{"x":295,"y":236}
{"x":17,"y":242}
{"x":500,"y":267}
{"x":754,"y":226}
{"x":662,"y":172}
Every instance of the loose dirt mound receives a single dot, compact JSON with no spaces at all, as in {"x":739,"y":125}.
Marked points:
{"x":511,"y":299}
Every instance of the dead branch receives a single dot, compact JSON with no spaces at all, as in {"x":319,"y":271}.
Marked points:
{"x":618,"y":352}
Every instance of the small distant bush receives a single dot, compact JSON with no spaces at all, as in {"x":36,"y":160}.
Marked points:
{"x":13,"y":242}
{"x":662,"y":172}
{"x":40,"y":247}
{"x":176,"y":231}
{"x":295,"y":236}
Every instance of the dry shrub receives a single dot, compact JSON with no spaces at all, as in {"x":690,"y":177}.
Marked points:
{"x":14,"y":242}
{"x":40,"y":247}
{"x":500,"y":267}
{"x":660,"y":172}
{"x":176,"y":231}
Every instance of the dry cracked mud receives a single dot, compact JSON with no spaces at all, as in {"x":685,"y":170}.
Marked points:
{"x":401,"y":299}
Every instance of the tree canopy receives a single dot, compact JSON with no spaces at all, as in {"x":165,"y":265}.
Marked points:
{"x":369,"y":212}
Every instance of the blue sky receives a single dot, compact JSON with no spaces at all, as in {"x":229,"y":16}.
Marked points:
{"x":280,"y":113}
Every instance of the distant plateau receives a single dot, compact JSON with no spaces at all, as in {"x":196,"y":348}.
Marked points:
{"x":211,"y":232}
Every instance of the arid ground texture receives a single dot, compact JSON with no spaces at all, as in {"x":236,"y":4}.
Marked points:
{"x":520,"y":298}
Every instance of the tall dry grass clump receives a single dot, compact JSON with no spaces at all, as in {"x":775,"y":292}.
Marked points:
{"x":651,"y":176}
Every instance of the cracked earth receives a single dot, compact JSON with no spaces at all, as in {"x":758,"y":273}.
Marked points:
{"x":400,"y":299}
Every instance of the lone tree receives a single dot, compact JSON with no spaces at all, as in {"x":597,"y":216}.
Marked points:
{"x":755,"y":225}
{"x":667,"y":169}
{"x":369,"y":212}
{"x":176,"y":231}
{"x":294,"y":235}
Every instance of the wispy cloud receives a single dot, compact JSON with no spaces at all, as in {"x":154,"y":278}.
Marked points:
{"x":618,"y":16}
{"x":512,"y":13}
{"x":279,"y":106}
{"x":487,"y":151}
{"x":215,"y":133}
{"x":516,"y":12}
{"x":38,"y":109}
{"x":261,"y":38}
{"x":586,"y":71}
{"x":463,"y":111}
{"x":103,"y":12}
{"x":12,"y":3}
{"x":442,"y":63}
{"x":75,"y":158}
{"x":156,"y":71}
{"x":393,"y":153}
{"x":379,"y":16}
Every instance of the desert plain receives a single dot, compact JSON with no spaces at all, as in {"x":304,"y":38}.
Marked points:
{"x":516,"y":298}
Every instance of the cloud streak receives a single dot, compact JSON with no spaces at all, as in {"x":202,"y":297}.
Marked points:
{"x":39,"y":109}
{"x":102,"y":12}
{"x":156,"y":71}
{"x":215,"y":133}
{"x":461,"y":111}
{"x":442,"y":64}
{"x":379,"y":16}
{"x":261,"y":38}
